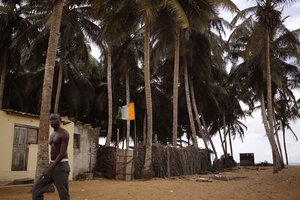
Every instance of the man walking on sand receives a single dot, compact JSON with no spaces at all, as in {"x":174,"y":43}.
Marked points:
{"x":58,"y":169}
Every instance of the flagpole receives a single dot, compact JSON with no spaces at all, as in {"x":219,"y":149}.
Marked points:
{"x":134,"y":133}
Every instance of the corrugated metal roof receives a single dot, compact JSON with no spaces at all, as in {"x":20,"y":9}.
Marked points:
{"x":20,"y":113}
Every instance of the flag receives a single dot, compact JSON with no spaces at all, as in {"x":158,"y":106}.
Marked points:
{"x":126,"y":112}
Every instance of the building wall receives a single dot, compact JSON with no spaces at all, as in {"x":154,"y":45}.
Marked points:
{"x":8,"y":120}
{"x":85,"y":155}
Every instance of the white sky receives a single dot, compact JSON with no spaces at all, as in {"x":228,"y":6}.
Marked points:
{"x":255,"y":140}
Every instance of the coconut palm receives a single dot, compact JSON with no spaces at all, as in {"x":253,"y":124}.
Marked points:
{"x":147,"y":9}
{"x":126,"y":57}
{"x":286,"y":109}
{"x":76,"y":29}
{"x":43,"y":156}
{"x":257,"y":45}
{"x":116,"y":21}
{"x":175,"y":15}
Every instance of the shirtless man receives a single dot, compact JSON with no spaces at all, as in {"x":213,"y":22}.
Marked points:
{"x":58,"y":169}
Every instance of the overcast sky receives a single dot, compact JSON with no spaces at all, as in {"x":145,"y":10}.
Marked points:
{"x":255,"y":140}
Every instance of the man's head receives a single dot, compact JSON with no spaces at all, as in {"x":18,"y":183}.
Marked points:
{"x":55,"y":120}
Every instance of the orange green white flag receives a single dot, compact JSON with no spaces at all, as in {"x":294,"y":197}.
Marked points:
{"x":126,"y":112}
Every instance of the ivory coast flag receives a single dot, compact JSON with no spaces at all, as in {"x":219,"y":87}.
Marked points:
{"x":127,"y":112}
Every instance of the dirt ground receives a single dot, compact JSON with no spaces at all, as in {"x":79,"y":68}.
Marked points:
{"x":244,"y":183}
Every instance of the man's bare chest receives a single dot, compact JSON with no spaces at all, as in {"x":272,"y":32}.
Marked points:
{"x":55,"y":138}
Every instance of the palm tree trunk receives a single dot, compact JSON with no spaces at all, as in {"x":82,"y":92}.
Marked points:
{"x":188,"y":102}
{"x":278,"y":143}
{"x":267,"y":128}
{"x":277,"y":164}
{"x":127,"y":102}
{"x":109,"y":93}
{"x":145,"y":129}
{"x":208,"y":136}
{"x":224,"y":133}
{"x":43,"y":152}
{"x":59,"y":81}
{"x":201,"y":130}
{"x":147,"y":171}
{"x":222,"y":142}
{"x":175,"y":86}
{"x":263,"y":112}
{"x":284,"y":145}
{"x":230,"y":142}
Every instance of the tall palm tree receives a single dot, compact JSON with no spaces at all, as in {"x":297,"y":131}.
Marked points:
{"x":181,"y":22}
{"x":269,"y":25}
{"x":265,"y":18}
{"x":126,"y":57}
{"x":148,"y":9}
{"x":203,"y":17}
{"x":77,"y":27}
{"x":286,"y":109}
{"x":117,"y":20}
{"x":43,"y":154}
{"x":147,"y":168}
{"x":285,"y":104}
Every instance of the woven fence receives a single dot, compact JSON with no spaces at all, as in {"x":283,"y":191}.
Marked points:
{"x":166,"y":161}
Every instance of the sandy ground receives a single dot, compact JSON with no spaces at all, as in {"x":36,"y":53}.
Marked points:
{"x":243,"y":183}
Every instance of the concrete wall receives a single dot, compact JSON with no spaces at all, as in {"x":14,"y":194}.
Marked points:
{"x":8,"y":120}
{"x":85,"y":155}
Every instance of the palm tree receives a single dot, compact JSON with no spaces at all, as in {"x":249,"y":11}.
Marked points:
{"x":269,"y":25}
{"x":77,"y":27}
{"x":203,"y":17}
{"x":13,"y":23}
{"x":180,"y":21}
{"x":277,"y":163}
{"x":147,"y":169}
{"x":126,"y":57}
{"x":116,"y":21}
{"x":43,"y":154}
{"x":286,"y":109}
{"x":149,"y":9}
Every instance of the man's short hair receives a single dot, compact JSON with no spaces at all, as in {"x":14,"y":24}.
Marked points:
{"x":58,"y":115}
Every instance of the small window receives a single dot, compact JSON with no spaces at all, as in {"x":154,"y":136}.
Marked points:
{"x":32,"y":136}
{"x":76,"y":144}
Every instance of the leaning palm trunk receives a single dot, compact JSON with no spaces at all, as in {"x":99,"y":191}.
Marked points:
{"x":59,"y":81}
{"x":188,"y":102}
{"x":175,"y":86}
{"x":201,"y":130}
{"x":277,"y":163}
{"x":222,"y":142}
{"x":278,"y":142}
{"x":109,"y":93}
{"x":147,"y":171}
{"x":271,"y":138}
{"x":208,"y":136}
{"x":43,"y":151}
